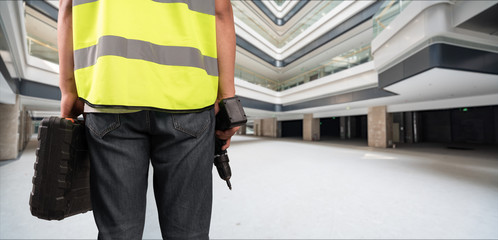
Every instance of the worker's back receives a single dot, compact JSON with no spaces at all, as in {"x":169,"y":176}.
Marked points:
{"x":149,"y":54}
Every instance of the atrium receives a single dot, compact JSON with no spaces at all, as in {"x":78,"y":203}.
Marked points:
{"x":400,"y":83}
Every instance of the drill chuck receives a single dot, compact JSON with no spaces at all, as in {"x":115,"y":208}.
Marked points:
{"x":221,"y":163}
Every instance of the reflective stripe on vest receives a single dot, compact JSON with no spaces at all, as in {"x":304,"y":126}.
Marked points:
{"x":149,"y":53}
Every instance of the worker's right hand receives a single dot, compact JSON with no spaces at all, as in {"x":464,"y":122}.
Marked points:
{"x":226,"y":135}
{"x":71,"y":105}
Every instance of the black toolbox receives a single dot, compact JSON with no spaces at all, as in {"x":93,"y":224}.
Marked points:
{"x":61,"y":183}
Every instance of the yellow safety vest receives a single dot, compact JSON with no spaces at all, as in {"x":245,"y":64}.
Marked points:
{"x":158,"y":54}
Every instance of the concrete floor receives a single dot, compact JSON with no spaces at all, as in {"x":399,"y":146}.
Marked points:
{"x":287,"y":188}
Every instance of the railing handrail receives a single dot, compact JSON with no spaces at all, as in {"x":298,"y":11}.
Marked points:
{"x":328,"y":63}
{"x":43,"y":44}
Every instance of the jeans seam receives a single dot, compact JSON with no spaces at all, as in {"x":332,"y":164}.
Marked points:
{"x":193,"y":134}
{"x":111,"y":127}
{"x":190,"y":133}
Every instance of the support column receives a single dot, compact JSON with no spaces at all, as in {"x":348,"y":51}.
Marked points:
{"x":257,"y":127}
{"x":417,"y":123}
{"x":343,"y":127}
{"x":270,"y":127}
{"x":267,"y":127}
{"x":495,"y":111}
{"x":25,"y":129}
{"x":279,"y":129}
{"x":379,"y":127}
{"x":352,"y":127}
{"x":9,"y":130}
{"x":242,"y":130}
{"x":402,"y":128}
{"x":408,"y":127}
{"x":311,"y":128}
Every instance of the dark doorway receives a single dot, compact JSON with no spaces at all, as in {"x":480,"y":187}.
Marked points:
{"x":293,"y":128}
{"x":477,"y":125}
{"x":330,"y":127}
{"x":360,"y":127}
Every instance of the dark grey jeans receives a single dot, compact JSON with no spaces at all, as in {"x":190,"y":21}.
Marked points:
{"x":181,"y":149}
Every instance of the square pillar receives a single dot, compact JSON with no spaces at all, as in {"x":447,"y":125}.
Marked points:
{"x":379,"y":127}
{"x":352,"y":127}
{"x":267,"y":127}
{"x":242,"y":130}
{"x":257,"y":127}
{"x":495,"y":111}
{"x":343,"y":127}
{"x":9,"y":130}
{"x":311,"y":128}
{"x":408,"y":128}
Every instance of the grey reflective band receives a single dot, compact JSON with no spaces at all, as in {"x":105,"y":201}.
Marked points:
{"x":79,"y":2}
{"x":137,"y":49}
{"x":203,"y":6}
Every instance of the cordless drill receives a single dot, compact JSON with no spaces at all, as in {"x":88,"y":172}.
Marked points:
{"x":231,"y":115}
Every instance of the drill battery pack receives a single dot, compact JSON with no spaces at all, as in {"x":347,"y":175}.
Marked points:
{"x":61,"y":183}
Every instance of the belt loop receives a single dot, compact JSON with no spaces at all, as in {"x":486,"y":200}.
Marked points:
{"x":147,"y":120}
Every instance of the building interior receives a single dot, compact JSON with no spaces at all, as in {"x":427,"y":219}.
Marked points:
{"x":397,"y":99}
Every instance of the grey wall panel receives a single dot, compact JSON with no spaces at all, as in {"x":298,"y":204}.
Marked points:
{"x":256,"y":51}
{"x":370,"y":93}
{"x":418,"y":63}
{"x":12,"y":82}
{"x":390,"y":76}
{"x":460,"y":58}
{"x":44,"y":8}
{"x":442,"y":56}
{"x":490,"y":64}
{"x":39,"y":90}
{"x":257,"y":104}
{"x":342,"y":98}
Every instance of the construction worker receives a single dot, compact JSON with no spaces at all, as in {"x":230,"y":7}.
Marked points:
{"x":148,"y":75}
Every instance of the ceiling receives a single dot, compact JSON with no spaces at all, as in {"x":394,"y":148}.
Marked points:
{"x":485,"y":22}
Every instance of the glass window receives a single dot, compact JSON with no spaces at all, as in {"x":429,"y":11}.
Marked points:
{"x":41,"y":35}
{"x":386,"y":14}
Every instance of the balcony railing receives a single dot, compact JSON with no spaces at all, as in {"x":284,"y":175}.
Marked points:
{"x":252,"y":77}
{"x":351,"y":58}
{"x":387,"y":12}
{"x":43,"y":50}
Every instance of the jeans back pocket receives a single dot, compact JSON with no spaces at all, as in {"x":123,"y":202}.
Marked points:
{"x":193,"y":124}
{"x":102,"y":123}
